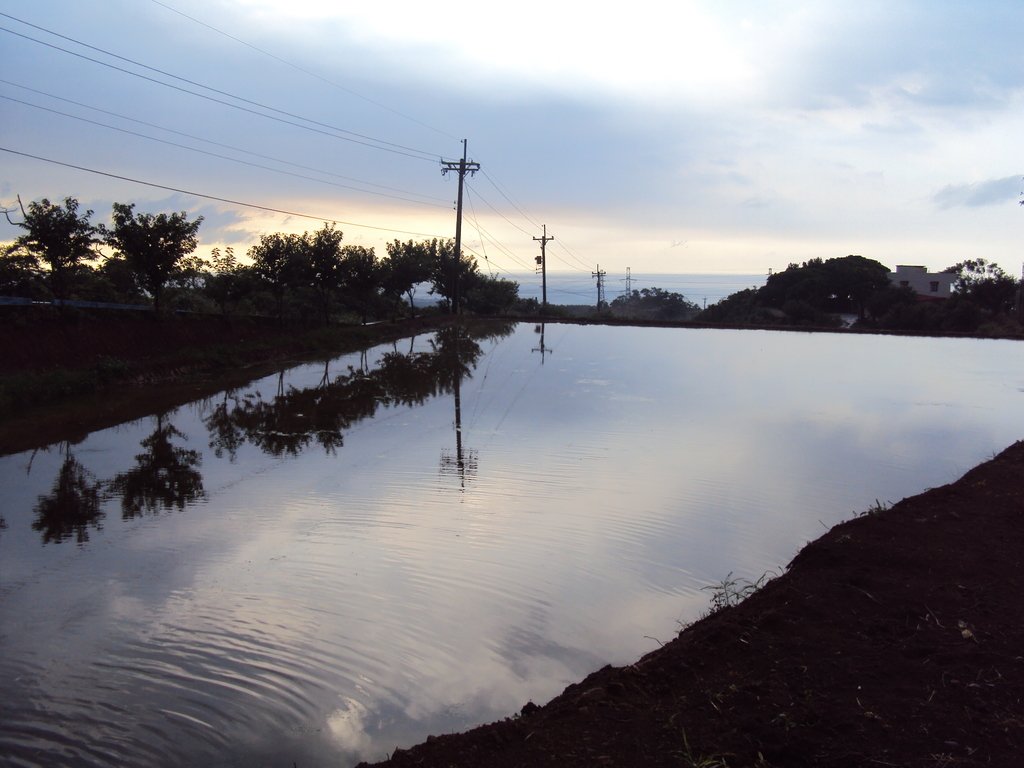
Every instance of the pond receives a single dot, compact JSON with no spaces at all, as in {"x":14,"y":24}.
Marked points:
{"x":348,"y":556}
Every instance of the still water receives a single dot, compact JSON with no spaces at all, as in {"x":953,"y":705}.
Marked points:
{"x":348,"y":556}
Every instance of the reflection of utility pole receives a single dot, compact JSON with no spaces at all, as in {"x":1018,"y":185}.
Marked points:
{"x":542,"y":349}
{"x":600,"y":286}
{"x":464,"y":462}
{"x":542,"y":260}
{"x":461,"y":166}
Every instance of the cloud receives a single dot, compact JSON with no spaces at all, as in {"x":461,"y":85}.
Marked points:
{"x":991,"y":192}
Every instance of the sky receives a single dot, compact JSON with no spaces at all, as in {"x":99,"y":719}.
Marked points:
{"x":689,"y":137}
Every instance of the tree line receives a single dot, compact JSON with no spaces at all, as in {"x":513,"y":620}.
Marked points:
{"x":144,"y":257}
{"x":985,"y":299}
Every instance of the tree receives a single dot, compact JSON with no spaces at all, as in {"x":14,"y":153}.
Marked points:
{"x":60,"y":238}
{"x":985,"y":284}
{"x":444,"y":273}
{"x":20,"y":275}
{"x":408,"y":265}
{"x":655,"y":304}
{"x":152,"y":245}
{"x":321,"y":257}
{"x":361,"y":279}
{"x":225,"y":285}
{"x":491,"y":295}
{"x":276,"y":262}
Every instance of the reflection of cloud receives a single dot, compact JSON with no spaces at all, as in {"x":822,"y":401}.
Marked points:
{"x":348,"y":726}
{"x":982,"y":193}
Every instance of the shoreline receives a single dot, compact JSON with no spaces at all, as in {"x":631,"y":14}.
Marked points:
{"x":894,"y":639}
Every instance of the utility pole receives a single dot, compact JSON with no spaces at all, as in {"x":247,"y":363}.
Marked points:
{"x":629,"y":284}
{"x":462,"y":167}
{"x":600,"y":285}
{"x":464,"y":463}
{"x":542,"y":349}
{"x":542,"y":260}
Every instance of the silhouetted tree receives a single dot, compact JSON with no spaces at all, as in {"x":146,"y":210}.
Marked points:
{"x":409,"y":264}
{"x":226,"y":283}
{"x":153,"y":246}
{"x":654,"y":304}
{"x":445,"y":272}
{"x":487,"y":295}
{"x":361,"y":279}
{"x":60,"y":239}
{"x":277,"y":262}
{"x":20,"y":275}
{"x":321,"y":257}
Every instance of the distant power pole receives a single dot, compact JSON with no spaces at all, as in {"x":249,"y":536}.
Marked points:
{"x":542,"y":349}
{"x":600,"y":285}
{"x":629,"y":283}
{"x":542,"y":260}
{"x":462,"y":167}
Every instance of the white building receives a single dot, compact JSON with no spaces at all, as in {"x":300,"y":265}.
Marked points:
{"x":927,"y":285}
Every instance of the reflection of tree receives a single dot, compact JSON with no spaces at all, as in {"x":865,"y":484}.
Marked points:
{"x":298,"y":418}
{"x":164,"y":476}
{"x":72,"y":507}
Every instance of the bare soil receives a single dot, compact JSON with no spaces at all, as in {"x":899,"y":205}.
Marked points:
{"x":896,"y":639}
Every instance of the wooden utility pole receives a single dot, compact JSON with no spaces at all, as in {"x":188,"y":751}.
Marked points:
{"x":542,"y":260}
{"x":462,"y":167}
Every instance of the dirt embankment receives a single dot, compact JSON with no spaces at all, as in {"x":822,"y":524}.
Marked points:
{"x":896,"y":639}
{"x":86,"y":372}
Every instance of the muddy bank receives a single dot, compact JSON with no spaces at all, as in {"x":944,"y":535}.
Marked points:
{"x":893,"y":640}
{"x":73,"y":376}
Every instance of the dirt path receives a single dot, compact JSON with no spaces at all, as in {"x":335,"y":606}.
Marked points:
{"x":896,"y":639}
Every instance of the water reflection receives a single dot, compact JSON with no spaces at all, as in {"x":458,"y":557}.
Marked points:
{"x":296,"y":418}
{"x":165,"y":475}
{"x":72,"y":507}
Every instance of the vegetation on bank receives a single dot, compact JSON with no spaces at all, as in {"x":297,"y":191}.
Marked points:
{"x":314,"y":278}
{"x":145,"y":258}
{"x":985,"y":301}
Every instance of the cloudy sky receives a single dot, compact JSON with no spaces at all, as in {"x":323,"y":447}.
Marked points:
{"x":682,"y":137}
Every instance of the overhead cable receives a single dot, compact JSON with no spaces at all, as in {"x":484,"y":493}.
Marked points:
{"x":220,"y":156}
{"x":213,"y":197}
{"x":305,"y":71}
{"x":211,"y":142}
{"x":332,"y":131}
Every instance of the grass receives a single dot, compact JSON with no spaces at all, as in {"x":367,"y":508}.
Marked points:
{"x":875,"y":509}
{"x":732,"y":591}
{"x":690,"y":760}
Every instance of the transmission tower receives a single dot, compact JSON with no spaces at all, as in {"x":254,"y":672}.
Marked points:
{"x":600,"y":286}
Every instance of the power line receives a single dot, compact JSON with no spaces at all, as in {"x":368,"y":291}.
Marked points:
{"x":506,"y":218}
{"x":510,"y":200}
{"x":213,"y":197}
{"x":303,"y":70}
{"x":218,"y":155}
{"x":207,"y":141}
{"x":380,"y":144}
{"x":484,"y":233}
